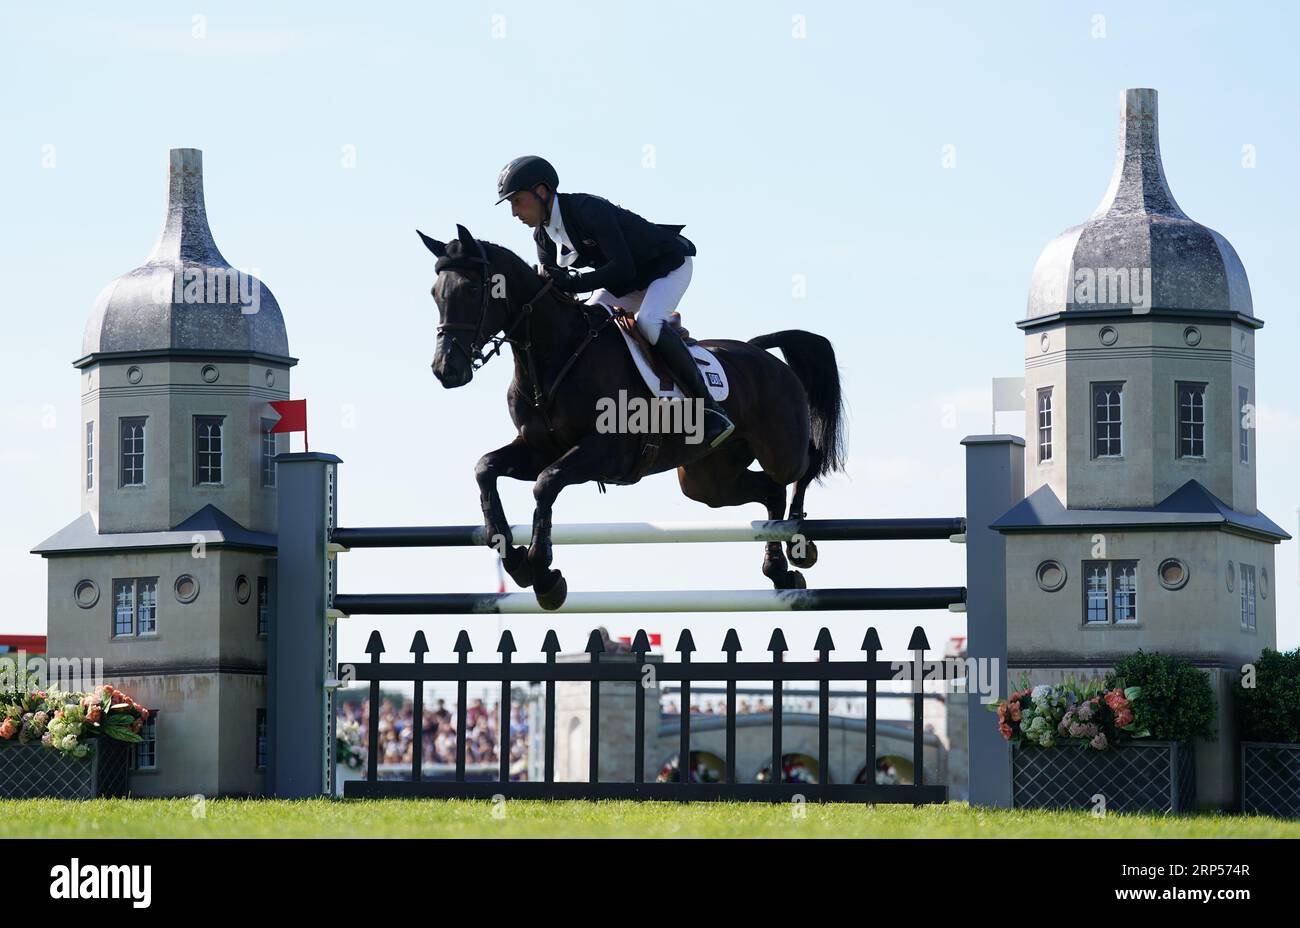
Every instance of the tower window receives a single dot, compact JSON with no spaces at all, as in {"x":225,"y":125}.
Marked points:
{"x":132,"y":467}
{"x":1110,"y":592}
{"x":268,"y":453}
{"x":135,"y":607}
{"x":1245,"y":416}
{"x":207,"y":449}
{"x":1247,"y":596}
{"x":90,"y":456}
{"x":1191,"y":420}
{"x":146,"y":750}
{"x":1044,"y":424}
{"x":261,"y":739}
{"x":1107,"y":420}
{"x":263,"y":608}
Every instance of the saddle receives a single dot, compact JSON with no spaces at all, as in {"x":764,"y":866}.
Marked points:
{"x":627,"y":322}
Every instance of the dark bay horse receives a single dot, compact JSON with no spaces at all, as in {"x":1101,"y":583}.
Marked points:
{"x":569,"y":358}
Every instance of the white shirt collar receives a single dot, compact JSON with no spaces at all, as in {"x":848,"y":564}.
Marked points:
{"x":560,"y":236}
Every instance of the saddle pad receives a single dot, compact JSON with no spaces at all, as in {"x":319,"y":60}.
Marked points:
{"x":710,"y":367}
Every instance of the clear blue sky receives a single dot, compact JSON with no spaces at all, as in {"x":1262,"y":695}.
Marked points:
{"x":820,"y":156}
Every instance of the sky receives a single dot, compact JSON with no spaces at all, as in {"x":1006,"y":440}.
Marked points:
{"x":907,"y":162}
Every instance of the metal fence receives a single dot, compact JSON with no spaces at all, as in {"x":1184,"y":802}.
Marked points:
{"x":682,"y":672}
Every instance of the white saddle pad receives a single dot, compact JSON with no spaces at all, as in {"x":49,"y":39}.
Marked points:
{"x":710,"y":367}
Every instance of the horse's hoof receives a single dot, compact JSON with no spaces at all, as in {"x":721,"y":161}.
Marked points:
{"x":793,"y":580}
{"x":809,"y":557}
{"x":519,"y":567}
{"x":552,"y":596}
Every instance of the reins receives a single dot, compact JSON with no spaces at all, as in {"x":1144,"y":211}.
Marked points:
{"x":478,"y":358}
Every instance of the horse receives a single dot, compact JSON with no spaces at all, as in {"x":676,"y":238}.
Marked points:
{"x":789,"y":416}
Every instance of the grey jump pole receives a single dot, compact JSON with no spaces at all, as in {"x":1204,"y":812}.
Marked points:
{"x":995,"y":481}
{"x":302,"y":650}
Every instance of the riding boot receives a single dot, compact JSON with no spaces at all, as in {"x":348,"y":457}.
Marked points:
{"x":686,"y":371}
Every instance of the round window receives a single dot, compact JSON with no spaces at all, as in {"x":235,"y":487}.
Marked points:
{"x":1172,"y":573}
{"x":1051,"y":576}
{"x":243,"y":589}
{"x":1230,"y":576}
{"x":187,"y":588}
{"x":86,"y":593}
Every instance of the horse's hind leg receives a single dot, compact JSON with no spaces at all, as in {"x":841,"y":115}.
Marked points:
{"x":723,"y":479}
{"x":802,"y":553}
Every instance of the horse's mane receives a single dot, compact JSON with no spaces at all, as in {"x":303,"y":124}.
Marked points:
{"x":506,"y":260}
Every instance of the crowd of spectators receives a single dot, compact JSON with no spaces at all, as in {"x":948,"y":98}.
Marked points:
{"x":482,"y":732}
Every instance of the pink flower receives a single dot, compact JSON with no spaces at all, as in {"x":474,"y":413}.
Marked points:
{"x":8,"y":728}
{"x":1098,"y":742}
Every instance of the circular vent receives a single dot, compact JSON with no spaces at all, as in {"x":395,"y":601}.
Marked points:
{"x":1173,"y":573}
{"x":1051,"y":576}
{"x":187,"y":588}
{"x":86,"y":593}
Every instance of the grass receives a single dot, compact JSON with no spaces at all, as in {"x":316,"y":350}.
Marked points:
{"x":322,"y":818}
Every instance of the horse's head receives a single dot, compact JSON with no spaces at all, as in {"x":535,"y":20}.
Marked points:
{"x":470,"y":306}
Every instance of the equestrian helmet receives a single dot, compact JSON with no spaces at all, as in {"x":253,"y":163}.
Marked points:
{"x":525,"y":173}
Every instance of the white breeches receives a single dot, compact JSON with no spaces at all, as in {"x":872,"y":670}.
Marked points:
{"x":654,"y":304}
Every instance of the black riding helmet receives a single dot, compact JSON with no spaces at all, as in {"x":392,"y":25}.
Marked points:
{"x":525,"y":173}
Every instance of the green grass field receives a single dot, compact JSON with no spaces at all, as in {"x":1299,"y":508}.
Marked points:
{"x":183,"y":818}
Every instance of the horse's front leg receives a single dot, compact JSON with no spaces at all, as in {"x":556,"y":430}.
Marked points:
{"x":589,"y":459}
{"x":522,"y":462}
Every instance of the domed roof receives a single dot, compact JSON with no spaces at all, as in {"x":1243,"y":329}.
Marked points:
{"x":1139,"y":251}
{"x":185,"y":296}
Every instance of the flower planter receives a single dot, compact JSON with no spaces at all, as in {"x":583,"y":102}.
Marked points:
{"x":33,"y":771}
{"x":1141,"y":776}
{"x":1270,"y":779}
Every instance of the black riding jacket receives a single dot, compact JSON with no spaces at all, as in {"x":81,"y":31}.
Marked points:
{"x":627,"y":251}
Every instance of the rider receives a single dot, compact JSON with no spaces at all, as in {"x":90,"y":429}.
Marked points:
{"x":639,"y":265}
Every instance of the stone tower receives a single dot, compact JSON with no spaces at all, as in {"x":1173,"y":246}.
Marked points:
{"x":1139,"y":527}
{"x":164,"y":574}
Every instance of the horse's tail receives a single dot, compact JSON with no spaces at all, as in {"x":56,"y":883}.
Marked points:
{"x":812,"y":359}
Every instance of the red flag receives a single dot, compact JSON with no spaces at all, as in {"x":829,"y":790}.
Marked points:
{"x":656,"y":639}
{"x":293,"y":418}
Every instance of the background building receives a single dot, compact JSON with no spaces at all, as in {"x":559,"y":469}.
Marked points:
{"x":1139,"y":528}
{"x":163,"y":574}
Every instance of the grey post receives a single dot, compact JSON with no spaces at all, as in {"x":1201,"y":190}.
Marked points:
{"x":302,"y":649}
{"x":995,"y":481}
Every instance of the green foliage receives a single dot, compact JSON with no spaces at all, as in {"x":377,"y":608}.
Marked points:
{"x":1270,"y":710}
{"x":1177,"y":702}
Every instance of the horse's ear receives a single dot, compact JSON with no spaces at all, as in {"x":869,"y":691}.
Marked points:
{"x":466,"y":240}
{"x":435,"y":246}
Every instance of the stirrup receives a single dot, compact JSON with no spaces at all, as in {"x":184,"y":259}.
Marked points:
{"x":725,"y":433}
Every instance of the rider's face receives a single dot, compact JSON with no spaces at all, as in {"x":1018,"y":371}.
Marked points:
{"x":527,"y":208}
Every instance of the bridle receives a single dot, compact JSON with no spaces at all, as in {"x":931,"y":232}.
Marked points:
{"x":478,"y":358}
{"x":474,"y":354}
